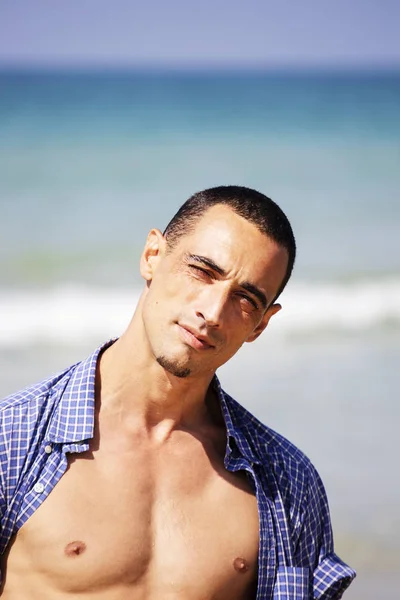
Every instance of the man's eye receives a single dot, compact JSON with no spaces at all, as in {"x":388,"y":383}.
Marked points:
{"x":200,"y":271}
{"x":247,"y":303}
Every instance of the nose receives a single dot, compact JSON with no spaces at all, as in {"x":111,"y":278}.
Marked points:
{"x":212,"y":305}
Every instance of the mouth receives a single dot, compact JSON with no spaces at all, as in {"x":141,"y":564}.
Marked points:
{"x":194,"y":339}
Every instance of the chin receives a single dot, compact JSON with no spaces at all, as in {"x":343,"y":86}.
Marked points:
{"x":173,"y":367}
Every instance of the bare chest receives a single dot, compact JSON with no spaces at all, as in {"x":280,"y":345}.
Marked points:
{"x":168,"y":521}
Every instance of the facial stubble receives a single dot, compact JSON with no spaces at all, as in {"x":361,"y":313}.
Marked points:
{"x":173,"y":368}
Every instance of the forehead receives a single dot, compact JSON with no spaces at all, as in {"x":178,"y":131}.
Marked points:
{"x":236,"y":245}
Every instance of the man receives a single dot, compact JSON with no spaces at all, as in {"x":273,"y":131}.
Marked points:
{"x":133,"y":475}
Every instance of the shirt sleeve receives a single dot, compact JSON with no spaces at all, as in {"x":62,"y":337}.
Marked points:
{"x":3,"y":474}
{"x":331,"y":576}
{"x":3,"y":469}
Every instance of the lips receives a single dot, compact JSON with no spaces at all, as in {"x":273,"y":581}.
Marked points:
{"x":194,"y":338}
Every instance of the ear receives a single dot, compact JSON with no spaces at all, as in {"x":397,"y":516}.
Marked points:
{"x":153,"y":250}
{"x":270,"y":312}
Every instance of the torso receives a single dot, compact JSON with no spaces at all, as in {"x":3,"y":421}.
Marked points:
{"x":136,"y":519}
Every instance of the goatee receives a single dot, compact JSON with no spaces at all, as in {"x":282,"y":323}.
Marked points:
{"x":173,"y":368}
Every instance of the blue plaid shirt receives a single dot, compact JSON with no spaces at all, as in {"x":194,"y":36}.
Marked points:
{"x":44,"y":422}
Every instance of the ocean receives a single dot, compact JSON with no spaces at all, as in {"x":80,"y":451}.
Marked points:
{"x":90,"y":161}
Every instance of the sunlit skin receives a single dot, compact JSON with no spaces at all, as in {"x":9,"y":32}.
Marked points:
{"x":150,"y":513}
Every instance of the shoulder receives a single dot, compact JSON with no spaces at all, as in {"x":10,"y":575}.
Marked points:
{"x":26,"y":414}
{"x":285,"y":466}
{"x":34,"y":394}
{"x":268,"y":445}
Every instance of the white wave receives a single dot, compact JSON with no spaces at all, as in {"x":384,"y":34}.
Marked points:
{"x":67,"y":314}
{"x":73,"y":314}
{"x":339,"y":308}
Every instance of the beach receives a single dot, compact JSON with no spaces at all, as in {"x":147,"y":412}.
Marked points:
{"x":90,"y":161}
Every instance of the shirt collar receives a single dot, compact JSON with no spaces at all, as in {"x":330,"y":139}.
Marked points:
{"x":73,"y":419}
{"x":238,"y":422}
{"x":74,"y":416}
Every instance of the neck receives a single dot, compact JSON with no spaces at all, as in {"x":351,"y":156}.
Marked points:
{"x":133,"y":385}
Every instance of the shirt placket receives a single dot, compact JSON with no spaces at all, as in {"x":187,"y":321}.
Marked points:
{"x":266,"y":549}
{"x":267,"y":544}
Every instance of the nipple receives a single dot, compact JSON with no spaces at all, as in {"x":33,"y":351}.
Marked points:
{"x":75,"y":548}
{"x":240,"y":565}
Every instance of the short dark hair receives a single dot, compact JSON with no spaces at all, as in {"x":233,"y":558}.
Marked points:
{"x":253,"y":206}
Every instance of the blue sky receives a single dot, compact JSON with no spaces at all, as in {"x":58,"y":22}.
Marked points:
{"x":190,"y":33}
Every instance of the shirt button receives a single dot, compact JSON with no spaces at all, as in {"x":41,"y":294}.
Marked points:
{"x":48,"y":449}
{"x":38,"y":487}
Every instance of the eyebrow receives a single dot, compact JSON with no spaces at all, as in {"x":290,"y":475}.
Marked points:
{"x":206,"y":262}
{"x":250,"y":287}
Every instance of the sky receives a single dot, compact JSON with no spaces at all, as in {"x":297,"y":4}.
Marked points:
{"x":187,"y":33}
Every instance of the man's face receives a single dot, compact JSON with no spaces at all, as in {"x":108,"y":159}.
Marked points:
{"x":210,"y":293}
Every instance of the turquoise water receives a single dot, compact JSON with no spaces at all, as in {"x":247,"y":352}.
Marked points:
{"x":90,"y":161}
{"x":103,"y":154}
